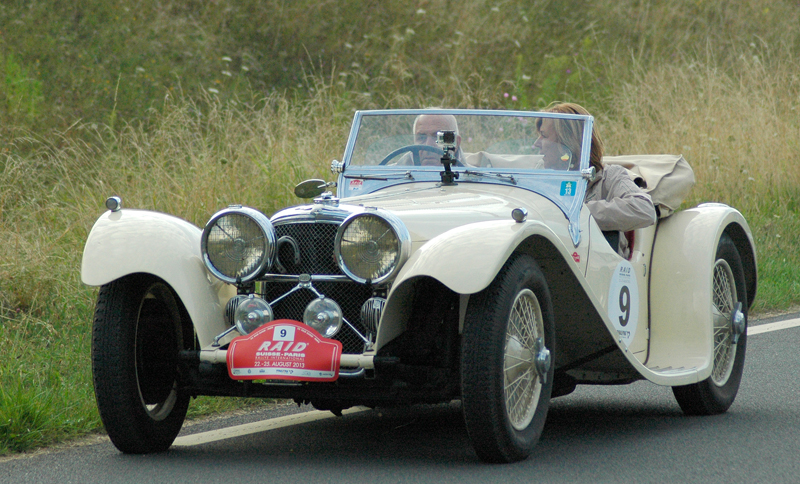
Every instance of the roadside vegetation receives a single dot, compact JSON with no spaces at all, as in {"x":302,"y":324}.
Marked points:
{"x":186,"y":107}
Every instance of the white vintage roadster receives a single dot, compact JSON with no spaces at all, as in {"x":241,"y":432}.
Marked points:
{"x":482,"y":277}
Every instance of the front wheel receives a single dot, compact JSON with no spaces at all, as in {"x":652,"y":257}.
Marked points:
{"x":507,"y":362}
{"x":729,"y":309}
{"x":137,"y":335}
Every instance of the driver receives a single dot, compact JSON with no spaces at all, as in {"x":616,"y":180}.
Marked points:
{"x":425,"y":128}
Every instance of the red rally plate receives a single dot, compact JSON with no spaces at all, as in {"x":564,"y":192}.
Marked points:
{"x":284,"y":350}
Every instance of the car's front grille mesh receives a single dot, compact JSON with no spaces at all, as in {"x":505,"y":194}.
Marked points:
{"x":314,"y":244}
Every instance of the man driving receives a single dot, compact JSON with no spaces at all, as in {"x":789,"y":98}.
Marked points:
{"x":425,"y":128}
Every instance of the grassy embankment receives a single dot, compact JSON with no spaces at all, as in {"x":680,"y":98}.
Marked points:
{"x":185,"y":109}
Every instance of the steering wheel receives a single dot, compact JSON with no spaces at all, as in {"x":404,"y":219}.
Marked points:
{"x":415,"y":149}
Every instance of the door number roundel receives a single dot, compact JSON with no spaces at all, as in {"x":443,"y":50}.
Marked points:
{"x":623,"y":301}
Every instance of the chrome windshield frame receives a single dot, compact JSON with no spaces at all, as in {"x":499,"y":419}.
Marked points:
{"x":380,"y":177}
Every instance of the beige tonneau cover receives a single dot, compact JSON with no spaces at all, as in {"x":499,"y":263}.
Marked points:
{"x":669,"y":178}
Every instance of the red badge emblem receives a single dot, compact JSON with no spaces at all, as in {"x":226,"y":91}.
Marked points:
{"x":576,"y":257}
{"x":284,"y":350}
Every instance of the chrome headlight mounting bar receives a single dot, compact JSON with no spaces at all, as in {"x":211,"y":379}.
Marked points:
{"x":304,"y":281}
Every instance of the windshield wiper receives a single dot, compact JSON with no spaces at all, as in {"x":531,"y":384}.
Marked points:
{"x":500,"y":176}
{"x":406,"y":175}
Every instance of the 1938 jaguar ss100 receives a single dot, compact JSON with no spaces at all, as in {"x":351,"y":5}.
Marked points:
{"x":482,"y":278}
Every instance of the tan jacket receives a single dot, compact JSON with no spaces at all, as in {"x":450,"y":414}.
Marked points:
{"x":616,"y":203}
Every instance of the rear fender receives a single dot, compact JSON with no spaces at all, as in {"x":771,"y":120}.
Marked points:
{"x":681,"y":288}
{"x":138,"y":241}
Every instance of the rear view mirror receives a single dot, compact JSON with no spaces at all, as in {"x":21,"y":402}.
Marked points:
{"x":310,"y":188}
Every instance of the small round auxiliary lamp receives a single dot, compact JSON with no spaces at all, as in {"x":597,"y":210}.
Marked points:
{"x":324,"y":315}
{"x":252,"y":313}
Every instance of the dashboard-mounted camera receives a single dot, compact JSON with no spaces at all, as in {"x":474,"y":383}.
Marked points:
{"x":446,"y":139}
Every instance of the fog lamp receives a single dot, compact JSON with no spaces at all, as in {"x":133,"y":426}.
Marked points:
{"x":252,"y":313}
{"x":324,"y":315}
{"x":371,"y":312}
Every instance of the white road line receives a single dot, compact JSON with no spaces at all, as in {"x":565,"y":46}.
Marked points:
{"x":764,"y":328}
{"x":256,"y":427}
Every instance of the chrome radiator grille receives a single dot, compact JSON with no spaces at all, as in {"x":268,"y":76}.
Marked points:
{"x":313,"y":242}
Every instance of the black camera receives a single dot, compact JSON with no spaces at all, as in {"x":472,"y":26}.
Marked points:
{"x":446,"y":139}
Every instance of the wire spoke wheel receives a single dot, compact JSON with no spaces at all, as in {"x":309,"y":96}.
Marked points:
{"x":522,"y":384}
{"x":506,"y":362}
{"x":722,"y":309}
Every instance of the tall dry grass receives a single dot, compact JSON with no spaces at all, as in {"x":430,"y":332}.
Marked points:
{"x":190,"y":158}
{"x":739,"y":128}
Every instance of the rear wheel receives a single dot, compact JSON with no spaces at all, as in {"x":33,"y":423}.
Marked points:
{"x":507,"y":355}
{"x":136,"y":339}
{"x":729,"y":309}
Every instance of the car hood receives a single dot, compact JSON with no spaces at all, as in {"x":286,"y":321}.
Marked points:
{"x":429,"y":210}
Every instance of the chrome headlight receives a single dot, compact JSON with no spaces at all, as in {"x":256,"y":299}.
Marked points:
{"x":372,"y":246}
{"x":238,"y":244}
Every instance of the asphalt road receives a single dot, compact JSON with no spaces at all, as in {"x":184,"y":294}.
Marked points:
{"x":633,"y":433}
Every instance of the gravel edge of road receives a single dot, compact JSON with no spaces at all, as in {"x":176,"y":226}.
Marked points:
{"x":772,"y":317}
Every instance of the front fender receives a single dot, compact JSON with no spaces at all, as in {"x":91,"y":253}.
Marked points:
{"x":138,"y":241}
{"x":465,"y":259}
{"x":681,"y":287}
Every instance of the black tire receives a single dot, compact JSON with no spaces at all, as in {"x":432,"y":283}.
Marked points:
{"x":715,"y":394}
{"x":490,"y":345}
{"x":137,"y":335}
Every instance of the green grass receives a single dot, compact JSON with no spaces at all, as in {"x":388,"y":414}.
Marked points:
{"x":186,"y":107}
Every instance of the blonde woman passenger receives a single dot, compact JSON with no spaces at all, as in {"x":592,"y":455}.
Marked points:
{"x":613,"y":199}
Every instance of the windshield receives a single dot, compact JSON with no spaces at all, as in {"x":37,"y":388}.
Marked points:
{"x":514,"y":141}
{"x":545,"y":153}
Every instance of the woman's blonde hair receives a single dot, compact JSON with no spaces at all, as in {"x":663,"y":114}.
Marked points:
{"x":570,"y":135}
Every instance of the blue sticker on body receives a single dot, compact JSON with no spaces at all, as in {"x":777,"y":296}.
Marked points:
{"x":568,"y":188}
